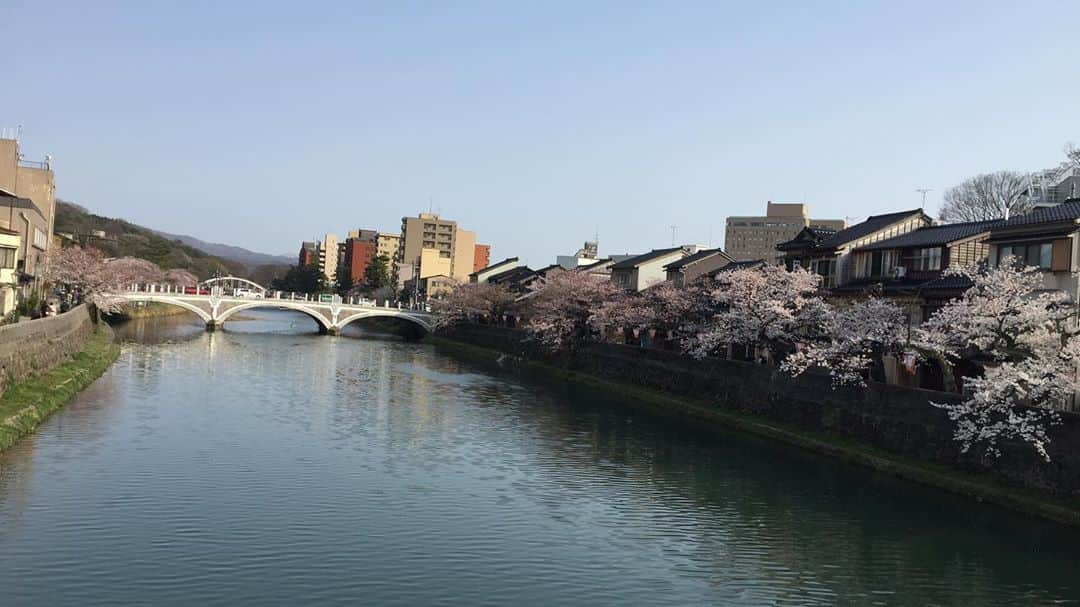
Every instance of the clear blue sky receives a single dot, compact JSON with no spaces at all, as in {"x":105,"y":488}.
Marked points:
{"x":532,"y":123}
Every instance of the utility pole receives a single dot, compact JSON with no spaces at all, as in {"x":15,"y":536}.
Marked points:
{"x":673,"y":228}
{"x":923,"y":191}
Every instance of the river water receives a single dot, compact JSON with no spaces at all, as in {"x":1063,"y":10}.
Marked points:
{"x":264,"y":465}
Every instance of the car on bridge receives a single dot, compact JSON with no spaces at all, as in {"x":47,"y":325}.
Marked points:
{"x":196,"y":291}
{"x":247,"y":294}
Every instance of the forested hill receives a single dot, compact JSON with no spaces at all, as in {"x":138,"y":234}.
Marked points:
{"x":122,"y":238}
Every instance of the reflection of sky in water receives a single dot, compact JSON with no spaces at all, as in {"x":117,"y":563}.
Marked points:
{"x":238,"y":468}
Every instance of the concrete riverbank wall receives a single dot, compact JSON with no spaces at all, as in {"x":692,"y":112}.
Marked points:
{"x":34,"y":347}
{"x":894,"y":419}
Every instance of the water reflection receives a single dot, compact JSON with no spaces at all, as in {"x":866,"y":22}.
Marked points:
{"x":267,"y":468}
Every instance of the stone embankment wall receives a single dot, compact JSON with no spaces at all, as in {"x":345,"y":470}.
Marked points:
{"x":34,"y":347}
{"x":891,"y":418}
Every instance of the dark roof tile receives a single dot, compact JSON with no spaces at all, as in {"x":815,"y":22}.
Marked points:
{"x":1064,"y":212}
{"x":739,"y":265}
{"x":933,"y":235}
{"x":871,"y":225}
{"x":696,"y":257}
{"x":637,"y":260}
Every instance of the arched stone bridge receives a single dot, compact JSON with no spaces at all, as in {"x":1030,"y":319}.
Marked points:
{"x":215,"y":304}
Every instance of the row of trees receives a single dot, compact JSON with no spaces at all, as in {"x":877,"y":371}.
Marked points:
{"x":1016,"y":348}
{"x":308,"y":279}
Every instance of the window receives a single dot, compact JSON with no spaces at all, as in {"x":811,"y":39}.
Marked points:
{"x":40,"y":241}
{"x":1038,"y":254}
{"x":926,"y":259}
{"x":824,"y":268}
{"x":7,"y":258}
{"x":875,"y":264}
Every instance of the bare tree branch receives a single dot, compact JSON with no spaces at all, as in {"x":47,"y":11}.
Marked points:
{"x":989,"y":196}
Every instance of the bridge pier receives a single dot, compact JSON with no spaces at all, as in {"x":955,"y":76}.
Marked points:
{"x":331,"y":331}
{"x":214,"y":325}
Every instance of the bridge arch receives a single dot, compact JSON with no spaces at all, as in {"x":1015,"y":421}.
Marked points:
{"x":324,"y":323}
{"x":418,"y":320}
{"x":202,"y":313}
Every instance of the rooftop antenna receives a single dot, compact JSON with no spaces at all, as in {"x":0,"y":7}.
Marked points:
{"x":923,"y":191}
{"x":673,"y":228}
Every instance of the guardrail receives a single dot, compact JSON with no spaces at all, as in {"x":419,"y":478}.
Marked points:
{"x":171,"y":289}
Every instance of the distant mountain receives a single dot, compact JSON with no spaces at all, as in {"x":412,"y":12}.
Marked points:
{"x":120,"y":238}
{"x":226,"y":251}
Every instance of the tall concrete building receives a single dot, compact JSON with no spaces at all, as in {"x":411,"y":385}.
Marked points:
{"x":752,"y":238}
{"x":388,"y":245}
{"x":357,"y":252}
{"x":432,"y":246}
{"x":27,"y":207}
{"x":309,"y":254}
{"x":328,"y":258}
{"x":482,"y":257}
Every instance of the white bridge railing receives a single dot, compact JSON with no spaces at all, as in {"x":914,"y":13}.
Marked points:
{"x":220,"y":292}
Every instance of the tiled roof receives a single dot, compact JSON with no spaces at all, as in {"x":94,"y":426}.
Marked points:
{"x":738,"y":265}
{"x":934,"y":235}
{"x":637,"y":260}
{"x":495,"y":265}
{"x":696,"y":257}
{"x":871,"y":225}
{"x":905,"y":285}
{"x":1065,"y":212}
{"x":809,"y":235}
{"x":949,"y":283}
{"x":512,"y":275}
{"x":543,"y":271}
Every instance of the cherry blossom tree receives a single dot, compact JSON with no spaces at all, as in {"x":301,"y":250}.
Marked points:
{"x":181,"y":278}
{"x":470,"y":302}
{"x":132,"y":270}
{"x":84,"y":271}
{"x":853,"y":340}
{"x":562,"y":306}
{"x":1026,"y":341}
{"x":664,"y":308}
{"x":766,"y":307}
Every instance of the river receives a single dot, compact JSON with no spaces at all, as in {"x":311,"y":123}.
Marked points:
{"x":264,"y":465}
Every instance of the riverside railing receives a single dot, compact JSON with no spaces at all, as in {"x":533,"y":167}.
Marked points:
{"x":172,"y":289}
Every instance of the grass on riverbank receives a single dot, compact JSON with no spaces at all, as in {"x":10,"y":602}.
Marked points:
{"x":978,"y":486}
{"x":151,"y":309}
{"x":25,"y":405}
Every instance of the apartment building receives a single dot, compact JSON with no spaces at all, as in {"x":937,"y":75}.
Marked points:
{"x":481,"y":257}
{"x":27,"y":207}
{"x":388,"y":245}
{"x":357,"y":252}
{"x":750,"y":238}
{"x":329,"y":258}
{"x":431,"y":245}
{"x":309,"y":254}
